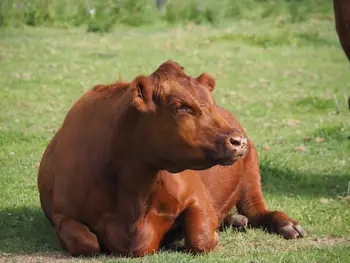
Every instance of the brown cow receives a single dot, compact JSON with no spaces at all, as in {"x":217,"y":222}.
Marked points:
{"x":342,"y":22}
{"x":116,"y":176}
{"x":112,"y":178}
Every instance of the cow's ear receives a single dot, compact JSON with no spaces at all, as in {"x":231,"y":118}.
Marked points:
{"x":142,"y":91}
{"x":207,"y":80}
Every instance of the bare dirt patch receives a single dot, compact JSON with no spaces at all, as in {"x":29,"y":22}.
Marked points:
{"x":56,"y":257}
{"x":329,"y":240}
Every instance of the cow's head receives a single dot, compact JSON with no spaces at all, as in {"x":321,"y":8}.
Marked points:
{"x":183,"y":125}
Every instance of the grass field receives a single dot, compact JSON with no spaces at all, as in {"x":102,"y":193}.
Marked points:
{"x":288,"y":85}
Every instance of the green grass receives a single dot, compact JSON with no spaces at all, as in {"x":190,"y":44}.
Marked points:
{"x":287,"y":83}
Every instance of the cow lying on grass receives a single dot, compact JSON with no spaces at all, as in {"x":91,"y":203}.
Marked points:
{"x":122,"y":175}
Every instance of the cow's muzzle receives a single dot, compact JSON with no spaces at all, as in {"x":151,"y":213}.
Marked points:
{"x":229,"y":148}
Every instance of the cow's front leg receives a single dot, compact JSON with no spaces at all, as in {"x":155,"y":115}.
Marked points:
{"x":200,"y":229}
{"x":75,"y":236}
{"x":252,"y":205}
{"x":136,"y":239}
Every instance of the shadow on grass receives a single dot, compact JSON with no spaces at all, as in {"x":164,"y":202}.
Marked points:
{"x":25,"y":229}
{"x":286,"y":182}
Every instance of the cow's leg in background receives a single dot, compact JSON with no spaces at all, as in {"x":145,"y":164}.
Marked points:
{"x":75,"y":236}
{"x":342,"y":22}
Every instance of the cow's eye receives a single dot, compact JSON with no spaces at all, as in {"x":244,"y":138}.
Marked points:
{"x":183,"y":108}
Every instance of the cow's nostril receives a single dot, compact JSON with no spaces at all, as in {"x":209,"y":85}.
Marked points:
{"x":236,"y":141}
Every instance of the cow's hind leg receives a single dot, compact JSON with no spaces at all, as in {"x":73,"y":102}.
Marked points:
{"x":76,"y":237}
{"x":252,"y":205}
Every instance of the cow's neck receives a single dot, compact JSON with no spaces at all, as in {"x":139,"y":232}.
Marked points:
{"x":131,"y":149}
{"x":130,"y":152}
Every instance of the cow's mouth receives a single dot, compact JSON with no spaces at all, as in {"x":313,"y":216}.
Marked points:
{"x":195,"y":164}
{"x":229,"y":158}
{"x":210,"y":158}
{"x":179,"y":165}
{"x":225,"y":160}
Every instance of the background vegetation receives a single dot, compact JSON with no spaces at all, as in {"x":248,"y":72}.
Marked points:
{"x":279,"y":69}
{"x":102,"y":15}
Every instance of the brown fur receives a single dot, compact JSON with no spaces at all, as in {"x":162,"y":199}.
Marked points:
{"x":116,"y":176}
{"x":342,"y":22}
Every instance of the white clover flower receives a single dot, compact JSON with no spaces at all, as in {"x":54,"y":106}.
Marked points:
{"x":92,"y":11}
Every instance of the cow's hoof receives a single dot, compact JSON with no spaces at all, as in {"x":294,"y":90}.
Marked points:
{"x":239,"y":222}
{"x":282,"y":224}
{"x":236,"y":221}
{"x":292,"y":231}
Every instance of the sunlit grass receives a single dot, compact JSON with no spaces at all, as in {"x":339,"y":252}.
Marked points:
{"x":290,"y":95}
